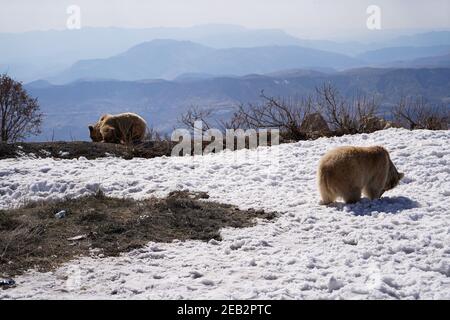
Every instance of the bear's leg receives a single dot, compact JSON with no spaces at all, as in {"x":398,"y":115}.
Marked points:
{"x":374,"y":189}
{"x":373,"y":192}
{"x":327,"y":196}
{"x":352,"y":195}
{"x":326,"y":200}
{"x":138,"y":134}
{"x":109,"y":135}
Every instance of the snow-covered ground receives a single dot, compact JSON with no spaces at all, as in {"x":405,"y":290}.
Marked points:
{"x":396,"y":247}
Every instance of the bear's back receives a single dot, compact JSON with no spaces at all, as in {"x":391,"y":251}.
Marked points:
{"x":122,"y":119}
{"x":354,"y":163}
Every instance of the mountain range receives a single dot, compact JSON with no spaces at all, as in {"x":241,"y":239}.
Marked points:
{"x":37,"y":55}
{"x":168,"y":59}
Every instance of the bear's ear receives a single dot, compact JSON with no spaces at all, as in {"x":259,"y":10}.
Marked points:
{"x":91,"y":128}
{"x":401,"y":175}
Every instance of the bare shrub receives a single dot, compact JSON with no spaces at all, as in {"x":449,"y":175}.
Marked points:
{"x":417,"y":113}
{"x":194,"y":114}
{"x":327,"y":113}
{"x":345,"y":116}
{"x":153,"y":135}
{"x":286,"y":115}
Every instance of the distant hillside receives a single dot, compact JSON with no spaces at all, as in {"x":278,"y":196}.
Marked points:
{"x":168,"y":59}
{"x":428,"y":62}
{"x":70,"y":108}
{"x":155,"y":59}
{"x":393,"y":54}
{"x":425,"y":39}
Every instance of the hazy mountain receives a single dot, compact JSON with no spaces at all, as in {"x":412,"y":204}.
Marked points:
{"x":168,"y":59}
{"x":41,"y":54}
{"x":426,"y":39}
{"x":70,"y":108}
{"x":429,"y":62}
{"x":354,"y":48}
{"x":155,"y":59}
{"x":392,"y":54}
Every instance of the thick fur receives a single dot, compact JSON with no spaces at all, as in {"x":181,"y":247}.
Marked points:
{"x":345,"y":172}
{"x":121,"y":128}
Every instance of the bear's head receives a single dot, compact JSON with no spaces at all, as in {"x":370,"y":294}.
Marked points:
{"x":94,"y":133}
{"x":394,"y":177}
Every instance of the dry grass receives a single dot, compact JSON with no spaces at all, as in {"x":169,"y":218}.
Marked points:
{"x":32,"y":237}
{"x":90,"y":150}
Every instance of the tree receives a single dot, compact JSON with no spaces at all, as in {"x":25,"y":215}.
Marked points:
{"x":20,"y":115}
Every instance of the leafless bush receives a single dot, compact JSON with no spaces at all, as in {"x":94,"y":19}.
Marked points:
{"x":325,"y":114}
{"x":345,"y":116}
{"x":194,"y":114}
{"x":286,"y":115}
{"x":153,"y":135}
{"x":416,"y":113}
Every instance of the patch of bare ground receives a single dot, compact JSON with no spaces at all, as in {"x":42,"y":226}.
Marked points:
{"x":89,"y":150}
{"x":94,"y":150}
{"x":33,"y":237}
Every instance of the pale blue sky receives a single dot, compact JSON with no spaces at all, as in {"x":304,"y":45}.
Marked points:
{"x":315,"y":18}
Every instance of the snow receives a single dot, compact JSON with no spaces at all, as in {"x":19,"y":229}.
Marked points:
{"x":397,"y":247}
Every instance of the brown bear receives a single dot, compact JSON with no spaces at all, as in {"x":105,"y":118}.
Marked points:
{"x":347,"y":171}
{"x":121,"y":128}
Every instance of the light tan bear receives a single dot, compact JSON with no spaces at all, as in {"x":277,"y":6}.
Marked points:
{"x":121,"y":128}
{"x":347,"y":171}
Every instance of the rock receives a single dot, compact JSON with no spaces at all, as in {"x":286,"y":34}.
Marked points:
{"x":207,"y":282}
{"x":214,"y":242}
{"x":61,"y":214}
{"x":314,"y":122}
{"x":196,"y":274}
{"x":77,"y":238}
{"x":7,"y":283}
{"x":370,"y":124}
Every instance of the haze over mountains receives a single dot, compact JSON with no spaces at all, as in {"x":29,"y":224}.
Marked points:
{"x":168,"y":59}
{"x":160,"y":72}
{"x":37,"y":55}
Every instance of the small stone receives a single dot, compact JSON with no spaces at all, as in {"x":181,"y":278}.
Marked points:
{"x":207,"y":282}
{"x":196,"y":274}
{"x":214,"y":242}
{"x":61,"y":214}
{"x":77,"y":238}
{"x":7,"y":283}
